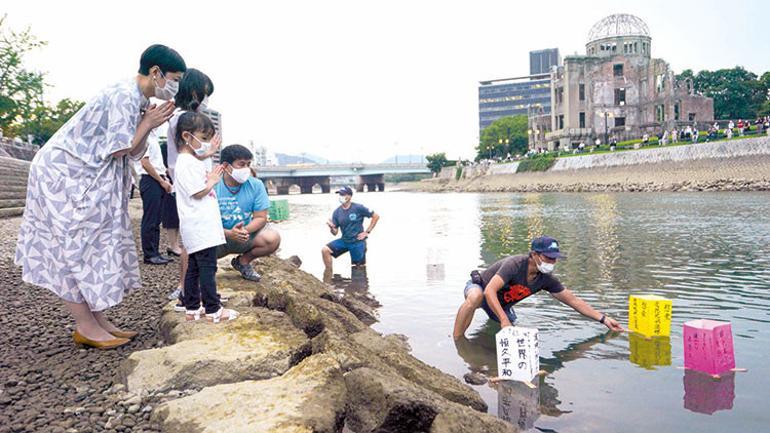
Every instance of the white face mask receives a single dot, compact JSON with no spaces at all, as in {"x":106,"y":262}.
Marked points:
{"x":168,"y":91}
{"x":204,"y":103}
{"x":205,"y":146}
{"x":343,"y":199}
{"x":545,"y":268}
{"x":241,"y":175}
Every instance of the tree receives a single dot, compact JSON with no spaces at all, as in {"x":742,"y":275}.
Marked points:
{"x":507,"y":135}
{"x":21,"y":91}
{"x":737,"y":92}
{"x":45,"y":120}
{"x":436,"y":162}
{"x":23,"y":112}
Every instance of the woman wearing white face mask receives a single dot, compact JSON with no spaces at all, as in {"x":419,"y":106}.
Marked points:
{"x":76,"y":237}
{"x":510,"y":280}
{"x":243,"y":205}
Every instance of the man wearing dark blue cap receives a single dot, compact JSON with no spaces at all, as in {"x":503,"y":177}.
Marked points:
{"x":512,"y":279}
{"x":349,"y":217}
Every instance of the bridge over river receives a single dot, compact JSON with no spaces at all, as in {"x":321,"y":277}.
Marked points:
{"x":369,"y":177}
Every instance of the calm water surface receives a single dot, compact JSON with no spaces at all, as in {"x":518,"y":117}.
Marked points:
{"x":709,"y":253}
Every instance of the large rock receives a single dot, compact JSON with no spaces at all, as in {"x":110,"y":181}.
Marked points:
{"x":308,"y":398}
{"x":391,"y":351}
{"x":390,"y":355}
{"x":304,"y":299}
{"x":387,"y":403}
{"x":260,"y":344}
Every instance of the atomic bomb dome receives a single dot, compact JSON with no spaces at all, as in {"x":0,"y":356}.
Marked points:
{"x":618,"y":25}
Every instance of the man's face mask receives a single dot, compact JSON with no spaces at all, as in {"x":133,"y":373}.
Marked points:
{"x":545,"y":267}
{"x":241,"y":175}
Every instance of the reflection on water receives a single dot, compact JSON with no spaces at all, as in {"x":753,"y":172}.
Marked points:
{"x":708,"y":253}
{"x":479,"y":352}
{"x":704,"y":394}
{"x":518,"y":403}
{"x":649,"y":352}
{"x":604,"y":230}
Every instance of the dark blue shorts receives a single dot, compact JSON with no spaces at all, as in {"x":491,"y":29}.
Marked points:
{"x":357,"y":250}
{"x":484,"y":306}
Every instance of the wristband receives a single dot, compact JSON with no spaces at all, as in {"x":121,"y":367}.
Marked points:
{"x":601,"y":320}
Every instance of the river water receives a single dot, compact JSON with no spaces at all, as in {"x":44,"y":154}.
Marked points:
{"x":709,"y":253}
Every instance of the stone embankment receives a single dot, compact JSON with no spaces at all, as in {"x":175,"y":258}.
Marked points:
{"x":13,"y":194}
{"x":300,"y":358}
{"x":738,"y":165}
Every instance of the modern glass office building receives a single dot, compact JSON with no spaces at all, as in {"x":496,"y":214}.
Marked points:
{"x":541,"y":61}
{"x":512,"y":96}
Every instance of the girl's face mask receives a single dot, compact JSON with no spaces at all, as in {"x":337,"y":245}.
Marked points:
{"x":205,"y":146}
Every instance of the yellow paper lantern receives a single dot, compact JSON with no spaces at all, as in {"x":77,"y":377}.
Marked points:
{"x":649,"y":315}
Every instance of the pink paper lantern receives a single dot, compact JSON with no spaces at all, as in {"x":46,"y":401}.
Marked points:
{"x":708,"y":346}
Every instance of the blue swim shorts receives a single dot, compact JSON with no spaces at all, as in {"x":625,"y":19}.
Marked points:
{"x":484,"y":306}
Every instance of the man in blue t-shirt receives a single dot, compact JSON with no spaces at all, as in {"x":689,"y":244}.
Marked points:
{"x":349,"y":217}
{"x":243,"y":205}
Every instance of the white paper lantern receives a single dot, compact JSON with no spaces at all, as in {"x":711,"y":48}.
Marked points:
{"x":518,"y":354}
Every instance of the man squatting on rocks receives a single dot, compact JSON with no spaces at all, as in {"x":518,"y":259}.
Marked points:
{"x":243,"y":204}
{"x":501,"y":286}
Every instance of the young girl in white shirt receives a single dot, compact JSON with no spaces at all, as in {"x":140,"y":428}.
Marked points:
{"x":200,"y":224}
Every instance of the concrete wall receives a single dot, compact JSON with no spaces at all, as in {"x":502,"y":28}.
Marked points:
{"x":509,"y":168}
{"x":720,"y":149}
{"x":447,"y":173}
{"x":470,"y":172}
{"x":12,"y":150}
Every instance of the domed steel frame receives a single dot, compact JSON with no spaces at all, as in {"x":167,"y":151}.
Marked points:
{"x":618,"y":25}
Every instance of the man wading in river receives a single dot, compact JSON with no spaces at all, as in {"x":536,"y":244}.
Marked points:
{"x":497,"y":289}
{"x":349,"y":217}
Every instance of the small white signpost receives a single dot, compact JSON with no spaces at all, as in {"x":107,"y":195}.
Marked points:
{"x":518,"y":354}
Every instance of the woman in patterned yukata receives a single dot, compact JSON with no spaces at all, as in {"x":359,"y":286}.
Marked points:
{"x":75,"y":238}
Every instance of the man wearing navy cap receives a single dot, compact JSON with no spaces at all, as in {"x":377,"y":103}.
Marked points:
{"x":349,"y":217}
{"x":497,"y":289}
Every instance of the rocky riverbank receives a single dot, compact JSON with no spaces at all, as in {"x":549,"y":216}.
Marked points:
{"x":301,"y":358}
{"x":745,"y":173}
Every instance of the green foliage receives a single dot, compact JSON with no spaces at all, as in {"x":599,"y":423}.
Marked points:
{"x":21,"y":91}
{"x":436,"y":161}
{"x":22,"y":109}
{"x":538,"y":162}
{"x":764,"y":109}
{"x":512,"y":129}
{"x":737,"y":93}
{"x":44,"y":121}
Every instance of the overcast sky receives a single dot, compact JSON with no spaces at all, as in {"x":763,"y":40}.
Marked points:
{"x":362,"y":80}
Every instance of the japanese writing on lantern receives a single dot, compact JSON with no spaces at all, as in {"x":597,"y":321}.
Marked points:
{"x":517,"y":353}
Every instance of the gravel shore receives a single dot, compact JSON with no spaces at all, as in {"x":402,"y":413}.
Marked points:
{"x":47,"y":384}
